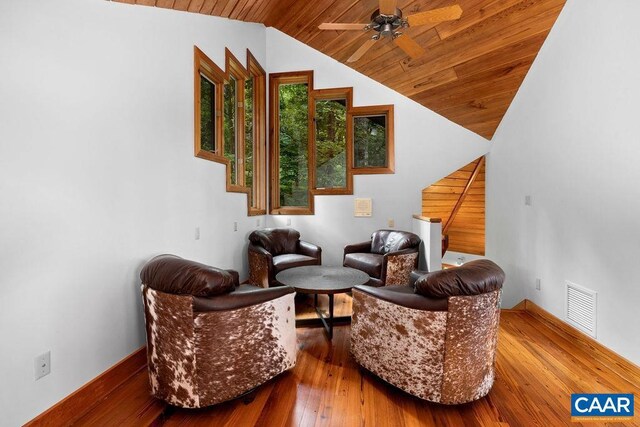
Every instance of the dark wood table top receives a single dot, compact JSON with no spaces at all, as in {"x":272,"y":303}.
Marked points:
{"x":318,"y":279}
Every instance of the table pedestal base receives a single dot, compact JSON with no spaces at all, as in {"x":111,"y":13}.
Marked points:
{"x":325,"y":321}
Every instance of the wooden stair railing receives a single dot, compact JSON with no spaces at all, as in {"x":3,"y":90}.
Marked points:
{"x":446,"y":197}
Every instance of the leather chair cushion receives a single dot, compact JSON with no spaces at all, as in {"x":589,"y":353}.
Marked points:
{"x":369,"y":263}
{"x":473,"y":278}
{"x":406,"y":297}
{"x":174,"y":275}
{"x":384,"y":241}
{"x":242,"y":296}
{"x":283,"y":262}
{"x":276,"y":240}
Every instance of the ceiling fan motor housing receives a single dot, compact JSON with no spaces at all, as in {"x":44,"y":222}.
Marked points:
{"x":386,"y":25}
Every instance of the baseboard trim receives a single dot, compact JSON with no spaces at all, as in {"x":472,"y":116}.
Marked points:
{"x":626,"y":368}
{"x":73,"y":407}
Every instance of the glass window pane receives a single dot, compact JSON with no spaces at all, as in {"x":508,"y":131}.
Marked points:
{"x":293,"y":139}
{"x":331,"y":143}
{"x":230,"y":105}
{"x":370,"y":141}
{"x":248,"y":137}
{"x":207,"y":115}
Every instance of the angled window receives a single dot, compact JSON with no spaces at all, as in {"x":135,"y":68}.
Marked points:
{"x":233,"y":122}
{"x":255,"y":145}
{"x":372,"y":130}
{"x":230,"y":123}
{"x":208,"y":82}
{"x":290,"y":143}
{"x":230,"y":128}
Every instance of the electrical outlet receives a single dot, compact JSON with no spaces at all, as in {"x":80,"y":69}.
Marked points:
{"x":235,"y":225}
{"x":197,"y":233}
{"x":537,"y":284}
{"x":42,"y":365}
{"x":391,"y":223}
{"x":527,"y":200}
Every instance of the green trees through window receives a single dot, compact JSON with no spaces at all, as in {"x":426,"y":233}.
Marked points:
{"x":248,"y":136}
{"x":293,"y":144}
{"x":331,"y":143}
{"x":312,"y":142}
{"x":207,"y":114}
{"x":229,"y":122}
{"x":370,"y":141}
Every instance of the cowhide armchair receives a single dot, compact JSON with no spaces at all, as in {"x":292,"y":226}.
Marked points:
{"x":388,"y":258}
{"x":435,"y":339}
{"x":208,"y":339}
{"x":272,"y":250}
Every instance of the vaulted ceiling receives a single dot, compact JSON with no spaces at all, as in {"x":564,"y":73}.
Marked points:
{"x":472,"y":67}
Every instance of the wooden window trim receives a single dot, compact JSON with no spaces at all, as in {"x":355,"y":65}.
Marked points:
{"x":371,"y":111}
{"x":240,"y":74}
{"x":275,"y":80}
{"x":259,"y":188}
{"x":203,"y":65}
{"x":329,"y":94}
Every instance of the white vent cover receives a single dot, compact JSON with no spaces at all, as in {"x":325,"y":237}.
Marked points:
{"x":581,"y":308}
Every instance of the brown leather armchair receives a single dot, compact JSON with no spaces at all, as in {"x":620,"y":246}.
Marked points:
{"x":435,"y":339}
{"x":388,"y":258}
{"x":273,"y":250}
{"x":210,"y":339}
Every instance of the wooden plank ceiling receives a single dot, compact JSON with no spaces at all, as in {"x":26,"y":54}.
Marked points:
{"x":472,"y":67}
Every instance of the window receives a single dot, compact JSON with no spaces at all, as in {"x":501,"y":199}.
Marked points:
{"x":372,"y":129}
{"x":332,"y":142}
{"x":208,"y":95}
{"x":290,"y":143}
{"x":318,"y":141}
{"x":255,"y":135}
{"x":230,"y":123}
{"x":229,"y":120}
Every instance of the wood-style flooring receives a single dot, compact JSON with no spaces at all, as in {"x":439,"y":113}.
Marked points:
{"x":538,"y":367}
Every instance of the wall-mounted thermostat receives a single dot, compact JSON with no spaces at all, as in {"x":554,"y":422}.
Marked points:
{"x":362,"y":207}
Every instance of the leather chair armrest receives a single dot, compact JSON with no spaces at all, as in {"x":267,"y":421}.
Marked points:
{"x":261,"y":251}
{"x":309,"y":249}
{"x":236,"y":277}
{"x":400,"y":252}
{"x":405,"y":297}
{"x":243,"y":296}
{"x":415,"y":275}
{"x":363,"y":247}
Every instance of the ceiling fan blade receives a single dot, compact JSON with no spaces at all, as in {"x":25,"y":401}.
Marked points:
{"x":341,"y":26}
{"x":410,"y":46}
{"x":435,"y":16}
{"x":361,"y":50}
{"x":388,"y":7}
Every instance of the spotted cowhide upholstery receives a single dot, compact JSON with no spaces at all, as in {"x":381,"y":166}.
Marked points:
{"x":440,"y":355}
{"x":199,"y":357}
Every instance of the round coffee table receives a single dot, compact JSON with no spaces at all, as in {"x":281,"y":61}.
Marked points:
{"x":317,"y":279}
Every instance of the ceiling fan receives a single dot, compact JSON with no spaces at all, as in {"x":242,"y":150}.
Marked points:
{"x":387,"y":21}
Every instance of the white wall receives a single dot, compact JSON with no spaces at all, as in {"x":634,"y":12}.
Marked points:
{"x":571,"y":140}
{"x":97,"y":174}
{"x":427,"y":148}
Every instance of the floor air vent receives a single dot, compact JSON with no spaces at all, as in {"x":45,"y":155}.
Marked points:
{"x":581,"y":308}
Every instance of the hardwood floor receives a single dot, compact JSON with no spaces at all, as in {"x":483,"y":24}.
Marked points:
{"x":305,"y":308}
{"x":538,"y":367}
